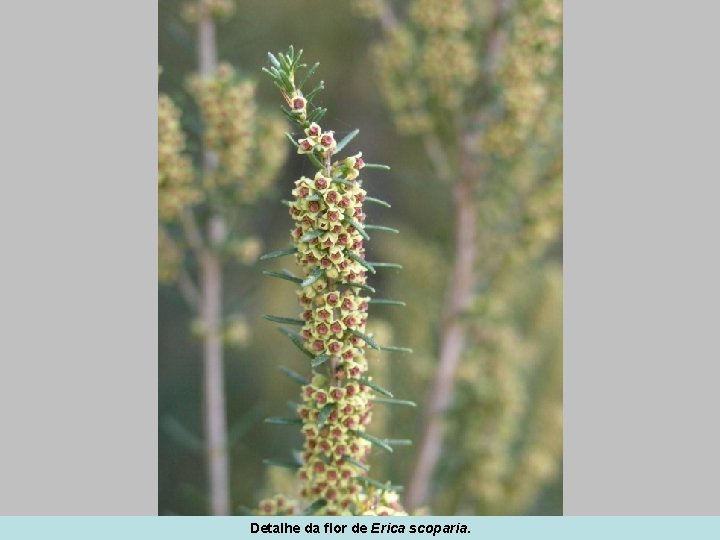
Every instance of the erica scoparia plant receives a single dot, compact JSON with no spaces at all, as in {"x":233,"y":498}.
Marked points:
{"x":337,"y":399}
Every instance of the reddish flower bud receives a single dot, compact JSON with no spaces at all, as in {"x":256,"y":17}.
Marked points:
{"x":298,"y":103}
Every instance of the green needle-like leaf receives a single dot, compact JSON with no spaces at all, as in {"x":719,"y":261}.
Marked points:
{"x":399,"y":442}
{"x":308,"y":74}
{"x":294,"y":375}
{"x":370,"y":227}
{"x":378,"y":201}
{"x":385,"y":265}
{"x":324,"y":414}
{"x":313,"y":277}
{"x":315,"y":160}
{"x":356,"y":463}
{"x":345,"y":140}
{"x":313,"y":197}
{"x":314,"y":507}
{"x":373,"y":440}
{"x":360,"y":229}
{"x":377,"y":166}
{"x":319,"y":360}
{"x":342,"y":182}
{"x":386,"y":301}
{"x":369,"y":482}
{"x":312,"y":235}
{"x":392,"y":348}
{"x":283,"y":275}
{"x":362,"y":262}
{"x":273,"y":60}
{"x":279,"y":253}
{"x":311,"y":94}
{"x":390,"y":401}
{"x":374,"y":386}
{"x":297,"y":340}
{"x":367,"y":288}
{"x":283,"y":421}
{"x":292,"y":140}
{"x":367,"y":339}
{"x":281,"y":463}
{"x":284,"y":320}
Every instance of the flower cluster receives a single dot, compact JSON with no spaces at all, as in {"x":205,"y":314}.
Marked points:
{"x":336,"y":407}
{"x":175,"y":172}
{"x":244,"y":141}
{"x":532,"y":55}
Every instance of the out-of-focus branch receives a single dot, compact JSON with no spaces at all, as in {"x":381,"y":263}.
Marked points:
{"x":211,"y":311}
{"x":453,"y":338}
{"x":188,"y":289}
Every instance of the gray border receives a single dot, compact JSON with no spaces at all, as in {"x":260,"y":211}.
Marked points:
{"x":78,"y":382}
{"x":641,"y":258}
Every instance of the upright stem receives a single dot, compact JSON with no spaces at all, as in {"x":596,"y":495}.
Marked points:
{"x":453,"y":337}
{"x":211,"y":314}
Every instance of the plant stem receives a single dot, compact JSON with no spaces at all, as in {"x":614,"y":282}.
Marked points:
{"x":211,"y":314}
{"x":453,"y":337}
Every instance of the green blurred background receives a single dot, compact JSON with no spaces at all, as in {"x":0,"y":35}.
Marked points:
{"x":330,"y":33}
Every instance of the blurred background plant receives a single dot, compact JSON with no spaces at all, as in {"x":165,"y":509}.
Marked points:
{"x":207,"y":186}
{"x":474,"y":88}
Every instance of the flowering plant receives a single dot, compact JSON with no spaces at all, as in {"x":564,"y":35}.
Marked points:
{"x":337,"y":399}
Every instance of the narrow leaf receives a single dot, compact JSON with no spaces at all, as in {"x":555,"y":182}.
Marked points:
{"x":283,"y":421}
{"x":313,"y":197}
{"x":314,"y":507}
{"x":385,"y":265}
{"x":310,"y":95}
{"x":319,"y":360}
{"x":376,"y":387}
{"x":324,"y":413}
{"x":284,"y":320}
{"x":281,"y":463}
{"x":386,"y":301}
{"x":373,"y":440}
{"x":273,"y":60}
{"x":376,"y":166}
{"x":294,"y":375}
{"x":362,"y":262}
{"x":297,"y":340}
{"x":279,"y":253}
{"x":313,"y":277}
{"x":356,"y":463}
{"x":399,"y":442}
{"x":308,"y":74}
{"x":315,"y":160}
{"x":360,"y":229}
{"x":390,"y":401}
{"x":378,"y":201}
{"x":292,"y":139}
{"x":369,"y":482}
{"x":287,"y":203}
{"x":367,"y":288}
{"x":283,"y":275}
{"x":395,"y":349}
{"x":343,"y":182}
{"x":367,"y":339}
{"x":370,"y":227}
{"x":312,"y":235}
{"x":345,"y":140}
{"x":317,"y":114}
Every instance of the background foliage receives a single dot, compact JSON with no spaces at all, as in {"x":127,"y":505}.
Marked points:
{"x":506,"y":378}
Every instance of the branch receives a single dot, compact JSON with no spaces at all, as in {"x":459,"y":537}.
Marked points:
{"x":189,"y":289}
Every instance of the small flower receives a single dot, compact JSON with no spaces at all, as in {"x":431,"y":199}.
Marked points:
{"x":299,"y":104}
{"x":313,"y":131}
